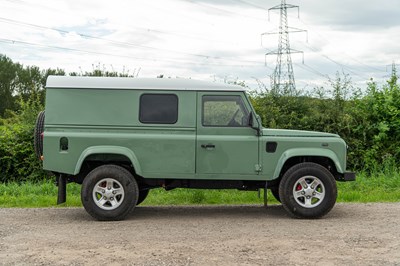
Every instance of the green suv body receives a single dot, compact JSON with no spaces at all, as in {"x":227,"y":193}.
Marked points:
{"x":121,"y":137}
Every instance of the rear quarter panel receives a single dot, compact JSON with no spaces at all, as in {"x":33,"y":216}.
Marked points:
{"x":92,"y":118}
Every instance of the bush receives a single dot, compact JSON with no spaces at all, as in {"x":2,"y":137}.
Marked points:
{"x":369,"y":123}
{"x":18,"y":162}
{"x":379,"y":127}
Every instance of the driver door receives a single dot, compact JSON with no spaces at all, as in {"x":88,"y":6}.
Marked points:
{"x":226,"y":145}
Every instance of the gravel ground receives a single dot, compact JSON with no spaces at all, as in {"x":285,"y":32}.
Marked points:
{"x":351,"y":234}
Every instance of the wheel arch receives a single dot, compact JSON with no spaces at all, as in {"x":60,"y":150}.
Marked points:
{"x":326,"y":158}
{"x":114,"y":152}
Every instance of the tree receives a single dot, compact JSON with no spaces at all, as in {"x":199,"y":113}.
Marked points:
{"x":379,"y":116}
{"x":8,"y":80}
{"x":29,"y":80}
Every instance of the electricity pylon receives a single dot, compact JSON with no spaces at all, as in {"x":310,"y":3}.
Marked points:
{"x":282,"y":79}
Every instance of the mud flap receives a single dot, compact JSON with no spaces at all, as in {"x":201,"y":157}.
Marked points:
{"x":266,"y":195}
{"x":62,"y":188}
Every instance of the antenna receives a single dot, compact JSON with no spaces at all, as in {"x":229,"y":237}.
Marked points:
{"x":282,"y":79}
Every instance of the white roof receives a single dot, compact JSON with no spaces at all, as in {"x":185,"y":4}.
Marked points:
{"x":137,"y":83}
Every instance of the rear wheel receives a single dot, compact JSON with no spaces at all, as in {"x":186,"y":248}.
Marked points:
{"x":108,"y":192}
{"x":38,"y":135}
{"x":308,"y":190}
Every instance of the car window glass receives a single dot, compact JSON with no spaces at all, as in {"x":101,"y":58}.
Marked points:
{"x":158,"y":109}
{"x":224,"y":111}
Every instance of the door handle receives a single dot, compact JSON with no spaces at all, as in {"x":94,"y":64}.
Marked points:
{"x":208,"y":146}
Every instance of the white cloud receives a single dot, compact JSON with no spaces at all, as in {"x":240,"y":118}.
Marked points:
{"x":200,"y":39}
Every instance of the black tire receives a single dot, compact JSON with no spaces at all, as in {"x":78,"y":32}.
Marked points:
{"x":275,"y":193}
{"x":142,"y":195}
{"x":108,"y":191}
{"x":308,"y":190}
{"x":37,"y":135}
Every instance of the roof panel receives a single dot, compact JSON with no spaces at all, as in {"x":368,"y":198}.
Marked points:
{"x":137,"y":83}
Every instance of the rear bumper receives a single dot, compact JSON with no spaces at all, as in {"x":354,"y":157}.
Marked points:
{"x":347,"y":176}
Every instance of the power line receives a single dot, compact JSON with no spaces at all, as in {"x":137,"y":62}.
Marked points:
{"x":223,"y":10}
{"x":349,"y":56}
{"x":251,"y":4}
{"x":312,"y":70}
{"x":9,"y":41}
{"x":7,"y":20}
{"x":204,"y":57}
{"x":101,"y":38}
{"x":340,"y":64}
{"x":180,"y":34}
{"x":335,"y":62}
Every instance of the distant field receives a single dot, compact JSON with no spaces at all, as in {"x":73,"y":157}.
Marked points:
{"x":375,"y":188}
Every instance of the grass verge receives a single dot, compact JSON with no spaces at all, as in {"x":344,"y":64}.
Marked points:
{"x":379,"y":187}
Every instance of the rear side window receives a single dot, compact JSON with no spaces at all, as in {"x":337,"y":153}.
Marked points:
{"x":158,"y":109}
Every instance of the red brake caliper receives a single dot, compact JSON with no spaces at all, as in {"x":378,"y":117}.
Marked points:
{"x":299,"y":187}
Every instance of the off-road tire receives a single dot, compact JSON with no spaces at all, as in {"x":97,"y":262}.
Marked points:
{"x":37,"y":135}
{"x":291,"y":199}
{"x":117,"y":175}
{"x":275,"y":193}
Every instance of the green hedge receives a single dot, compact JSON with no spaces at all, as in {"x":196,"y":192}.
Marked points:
{"x":18,"y":161}
{"x":368,"y":122}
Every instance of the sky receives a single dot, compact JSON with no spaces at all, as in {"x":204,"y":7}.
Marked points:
{"x":218,"y":40}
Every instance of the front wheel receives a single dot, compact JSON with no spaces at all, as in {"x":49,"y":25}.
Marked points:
{"x":275,"y":193}
{"x":308,"y":190}
{"x":108,"y":192}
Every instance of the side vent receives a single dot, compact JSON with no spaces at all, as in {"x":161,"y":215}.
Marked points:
{"x":271,"y":147}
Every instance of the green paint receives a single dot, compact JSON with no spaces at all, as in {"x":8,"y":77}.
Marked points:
{"x":100,"y":119}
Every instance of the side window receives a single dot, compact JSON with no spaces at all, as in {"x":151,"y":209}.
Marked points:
{"x":158,"y":109}
{"x":224,"y":111}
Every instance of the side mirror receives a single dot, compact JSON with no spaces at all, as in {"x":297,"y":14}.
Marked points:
{"x":254,"y":122}
{"x":258,"y":118}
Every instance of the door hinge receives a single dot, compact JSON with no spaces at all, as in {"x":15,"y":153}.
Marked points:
{"x":258,"y":167}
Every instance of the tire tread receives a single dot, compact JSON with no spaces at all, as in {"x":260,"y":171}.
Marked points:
{"x":131,"y":193}
{"x":296,"y":210}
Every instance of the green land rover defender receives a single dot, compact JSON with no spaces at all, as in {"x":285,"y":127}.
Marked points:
{"x":121,"y":137}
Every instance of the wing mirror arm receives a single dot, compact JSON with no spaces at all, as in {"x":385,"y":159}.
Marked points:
{"x":254,"y":123}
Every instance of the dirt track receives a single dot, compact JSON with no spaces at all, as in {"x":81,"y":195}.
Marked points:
{"x":351,"y":234}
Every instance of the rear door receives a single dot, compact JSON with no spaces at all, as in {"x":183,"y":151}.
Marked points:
{"x":226,"y":146}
